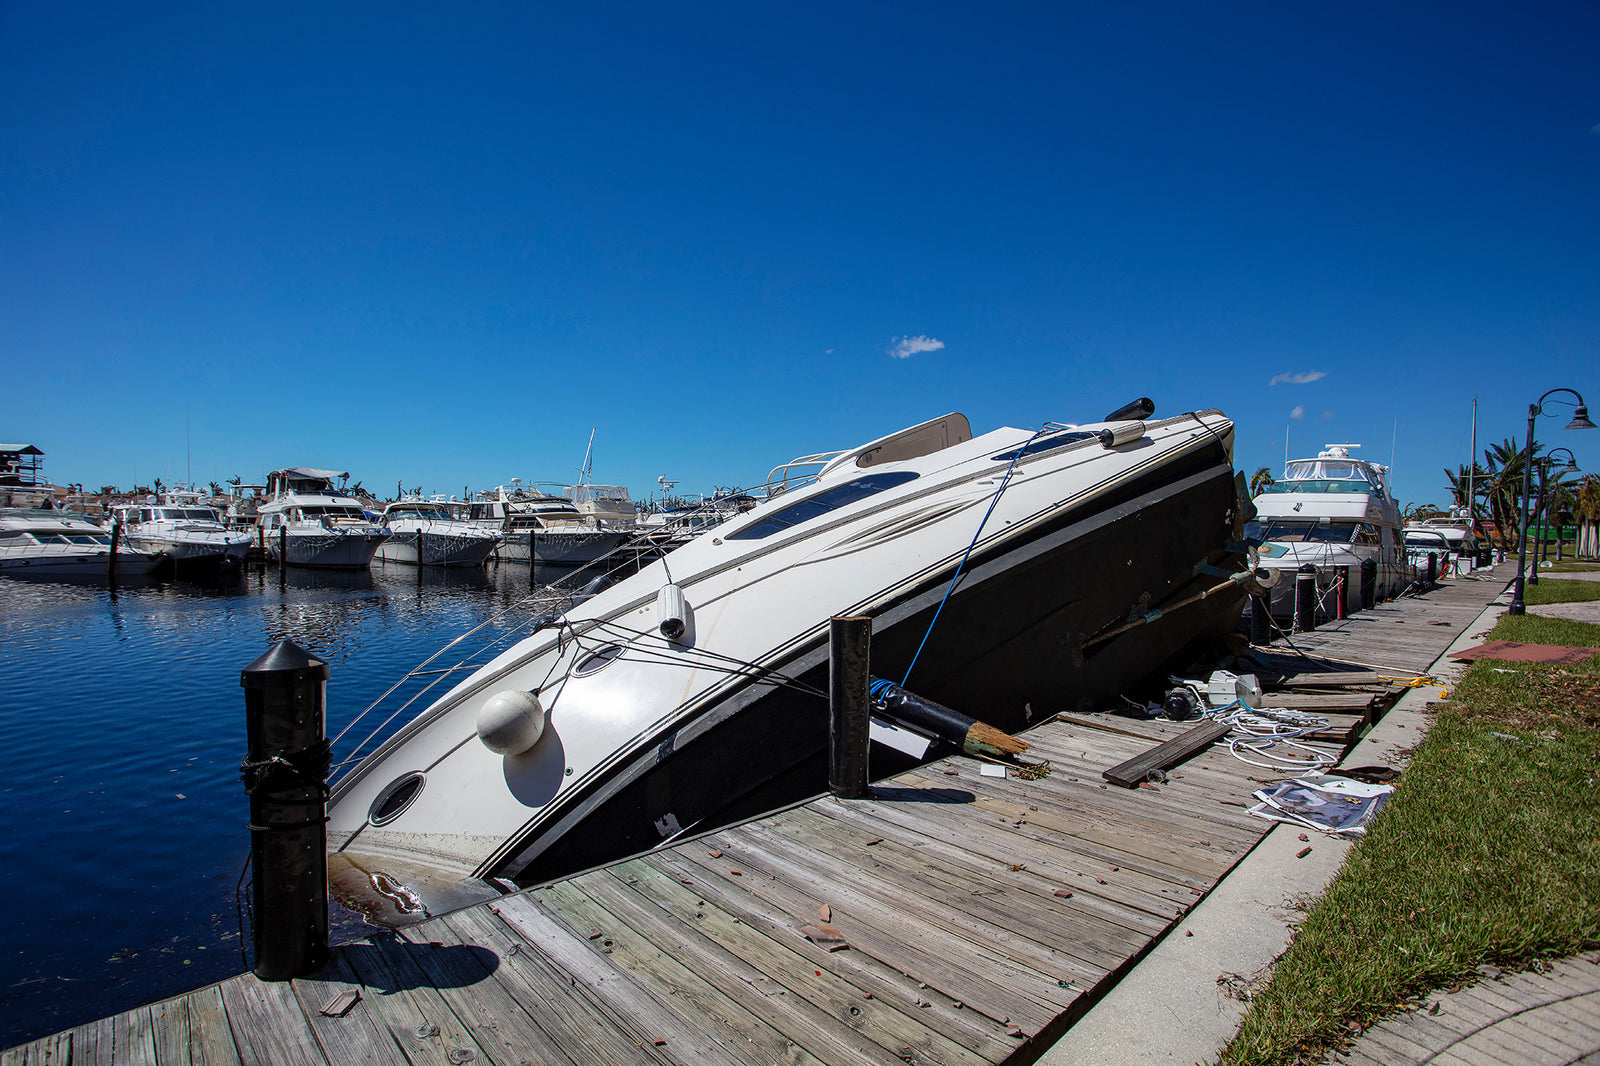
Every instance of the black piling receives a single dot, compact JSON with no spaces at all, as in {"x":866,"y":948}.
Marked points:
{"x":285,"y":771}
{"x":1260,"y":620}
{"x":532,"y":564}
{"x":111,"y":559}
{"x":849,"y":714}
{"x":1305,"y":599}
{"x":1369,"y":584}
{"x":283,"y":548}
{"x":1433,"y":567}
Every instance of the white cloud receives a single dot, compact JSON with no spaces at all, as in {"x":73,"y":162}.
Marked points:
{"x":1595,"y":129}
{"x":906,"y":347}
{"x":1326,"y":415}
{"x":1299,"y":379}
{"x":1298,"y":412}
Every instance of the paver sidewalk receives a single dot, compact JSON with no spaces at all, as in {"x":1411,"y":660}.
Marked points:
{"x":1526,"y":1019}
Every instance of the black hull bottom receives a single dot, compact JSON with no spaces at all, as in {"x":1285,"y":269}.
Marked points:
{"x":1009,"y":649}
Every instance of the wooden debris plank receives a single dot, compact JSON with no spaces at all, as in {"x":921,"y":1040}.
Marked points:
{"x":899,"y":939}
{"x":555,"y":1002}
{"x":892,"y":894}
{"x":794,"y":962}
{"x":753,"y":899}
{"x":816,"y":1030}
{"x":1347,"y":702}
{"x":990,"y":896}
{"x":416,"y":1017}
{"x":1165,"y":755}
{"x":1330,"y":680}
{"x":355,"y":1037}
{"x":1026,"y":866}
{"x":211,"y":1040}
{"x":267,"y":1025}
{"x":693,"y":1016}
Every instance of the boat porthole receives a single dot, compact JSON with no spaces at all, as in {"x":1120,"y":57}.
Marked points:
{"x":598,"y":659}
{"x":394,"y":799}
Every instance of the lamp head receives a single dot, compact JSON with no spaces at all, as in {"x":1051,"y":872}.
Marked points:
{"x":1580,"y":418}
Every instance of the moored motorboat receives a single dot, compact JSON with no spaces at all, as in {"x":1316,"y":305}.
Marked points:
{"x":1335,"y":514}
{"x":427,"y":533}
{"x":543,"y":527}
{"x":308,"y":522}
{"x":49,"y":543}
{"x":1063,"y":567}
{"x":188,"y":531}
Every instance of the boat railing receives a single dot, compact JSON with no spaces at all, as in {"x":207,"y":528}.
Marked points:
{"x":797,"y":473}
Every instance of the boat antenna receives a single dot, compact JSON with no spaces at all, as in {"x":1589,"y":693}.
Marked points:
{"x":1394,"y":440}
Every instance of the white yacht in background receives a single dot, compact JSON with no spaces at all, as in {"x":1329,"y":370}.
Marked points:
{"x":428,"y":533}
{"x":544,"y":527}
{"x":190,"y":532}
{"x":311,"y":523}
{"x":1064,"y":568}
{"x":48,"y":543}
{"x":1334,"y":513}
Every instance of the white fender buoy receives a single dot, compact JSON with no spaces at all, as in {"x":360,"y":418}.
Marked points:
{"x":672,"y":612}
{"x":510,"y":722}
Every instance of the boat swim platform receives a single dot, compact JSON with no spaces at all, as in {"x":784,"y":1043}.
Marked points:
{"x":952,"y":917}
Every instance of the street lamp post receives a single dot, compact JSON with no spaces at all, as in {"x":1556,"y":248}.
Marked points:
{"x":1547,"y":467}
{"x":1580,"y":420}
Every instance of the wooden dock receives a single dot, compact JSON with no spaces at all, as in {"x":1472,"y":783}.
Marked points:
{"x":953,"y":917}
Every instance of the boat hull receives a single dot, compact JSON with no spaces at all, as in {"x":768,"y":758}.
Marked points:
{"x":437,"y":549}
{"x":330,"y":549}
{"x":560,"y":548}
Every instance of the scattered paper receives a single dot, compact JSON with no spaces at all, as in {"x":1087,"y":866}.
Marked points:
{"x":1323,"y":802}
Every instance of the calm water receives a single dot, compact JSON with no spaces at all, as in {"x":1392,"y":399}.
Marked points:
{"x":121,"y":729}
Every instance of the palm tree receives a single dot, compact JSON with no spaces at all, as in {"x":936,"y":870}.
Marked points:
{"x":1503,"y":489}
{"x":1460,"y":478}
{"x":1260,"y":480}
{"x":1559,"y":504}
{"x":1587,"y":512}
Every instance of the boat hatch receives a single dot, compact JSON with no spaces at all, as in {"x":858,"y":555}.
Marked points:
{"x":823,"y":502}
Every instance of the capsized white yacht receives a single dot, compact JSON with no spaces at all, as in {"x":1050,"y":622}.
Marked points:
{"x":428,"y":533}
{"x":189,"y":531}
{"x":1063,"y":568}
{"x":308,"y":522}
{"x":1333,"y":513}
{"x":49,"y":543}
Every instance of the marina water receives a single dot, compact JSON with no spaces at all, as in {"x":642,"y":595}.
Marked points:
{"x":122,"y":815}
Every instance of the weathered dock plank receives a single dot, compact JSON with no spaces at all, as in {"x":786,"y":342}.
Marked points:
{"x":982,"y":913}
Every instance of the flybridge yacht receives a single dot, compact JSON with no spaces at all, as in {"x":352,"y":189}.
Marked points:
{"x":1333,"y":512}
{"x":311,"y":523}
{"x":189,"y":531}
{"x":1062,"y":567}
{"x":428,"y":533}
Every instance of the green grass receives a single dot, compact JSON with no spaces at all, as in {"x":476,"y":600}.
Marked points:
{"x":1536,"y":629}
{"x":1488,"y":852}
{"x":1571,"y":568}
{"x":1555,"y":590}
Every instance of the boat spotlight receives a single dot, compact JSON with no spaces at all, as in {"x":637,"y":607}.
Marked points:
{"x":672,"y":612}
{"x":511,"y":722}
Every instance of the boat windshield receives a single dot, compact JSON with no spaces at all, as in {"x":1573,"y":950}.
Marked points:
{"x":193,"y":514}
{"x":1319,"y":485}
{"x":823,"y":502}
{"x":418,"y":511}
{"x":1309,"y":530}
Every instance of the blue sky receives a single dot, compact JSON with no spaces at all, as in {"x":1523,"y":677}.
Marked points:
{"x":442,"y":245}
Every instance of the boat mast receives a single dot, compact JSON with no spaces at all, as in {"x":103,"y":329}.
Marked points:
{"x":1472,"y":467}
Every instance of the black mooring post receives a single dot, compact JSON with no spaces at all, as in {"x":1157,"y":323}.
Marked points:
{"x":283,"y":548}
{"x":1305,"y":598}
{"x":285,"y":772}
{"x":531,"y":560}
{"x":1433,"y":567}
{"x":1260,"y":620}
{"x":111,"y":560}
{"x":849,"y":715}
{"x":1346,"y":592}
{"x":1369,"y":584}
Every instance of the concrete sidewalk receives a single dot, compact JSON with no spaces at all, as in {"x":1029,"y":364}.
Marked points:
{"x":1176,"y":1005}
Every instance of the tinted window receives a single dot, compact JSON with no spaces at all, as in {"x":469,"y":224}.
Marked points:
{"x":823,"y":502}
{"x":1042,"y":444}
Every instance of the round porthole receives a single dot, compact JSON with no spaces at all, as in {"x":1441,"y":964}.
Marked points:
{"x":597,"y":660}
{"x":393,"y":800}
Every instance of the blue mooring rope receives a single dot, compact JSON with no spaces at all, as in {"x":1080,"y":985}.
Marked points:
{"x":961,"y":566}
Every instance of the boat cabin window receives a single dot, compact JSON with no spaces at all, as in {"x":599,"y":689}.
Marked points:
{"x":1042,"y":444}
{"x":417,"y":511}
{"x":1319,"y":485}
{"x":1305,"y":530}
{"x":823,"y":502}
